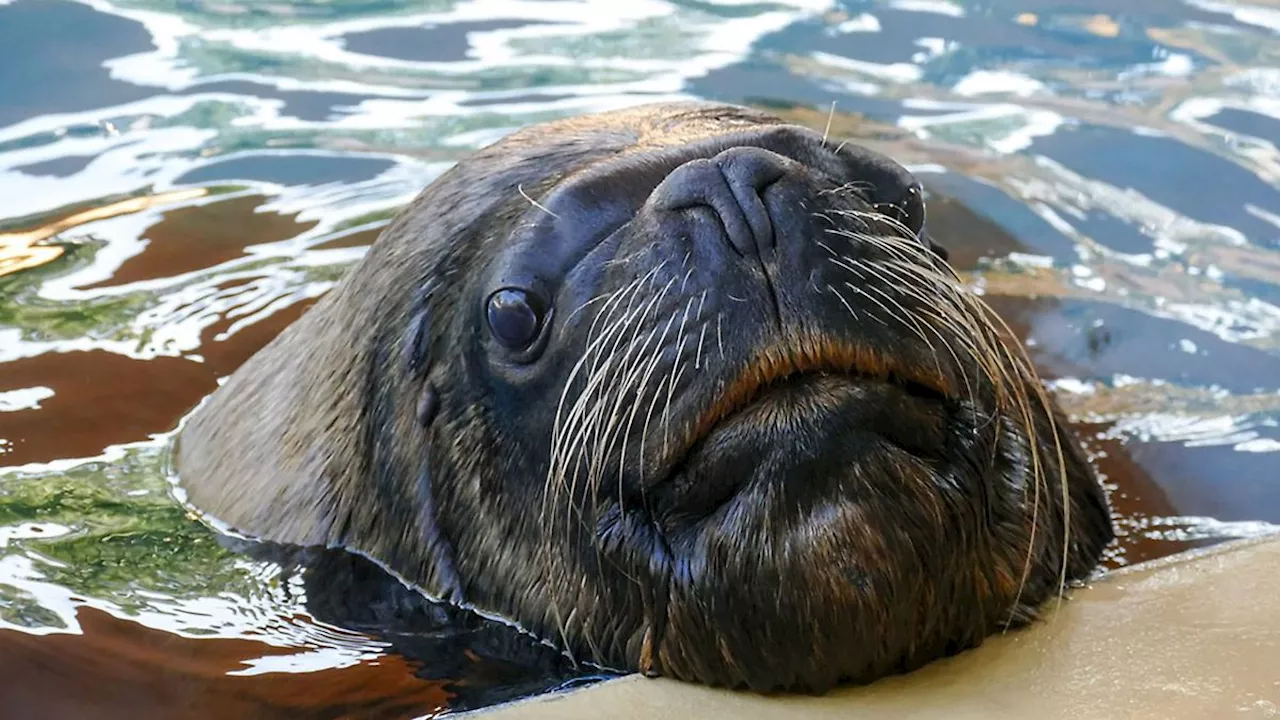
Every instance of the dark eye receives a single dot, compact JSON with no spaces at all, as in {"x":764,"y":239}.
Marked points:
{"x":907,"y":209}
{"x":911,"y":213}
{"x":912,"y":208}
{"x":515,"y":317}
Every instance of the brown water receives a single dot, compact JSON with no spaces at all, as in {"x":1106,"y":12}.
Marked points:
{"x":181,"y":180}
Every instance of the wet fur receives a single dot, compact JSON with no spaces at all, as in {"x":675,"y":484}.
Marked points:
{"x":358,"y":427}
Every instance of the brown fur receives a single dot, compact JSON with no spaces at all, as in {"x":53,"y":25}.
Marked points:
{"x":317,"y":440}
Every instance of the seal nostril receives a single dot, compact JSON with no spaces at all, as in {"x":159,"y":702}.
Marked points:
{"x":700,"y":184}
{"x":731,"y":184}
{"x":749,"y":171}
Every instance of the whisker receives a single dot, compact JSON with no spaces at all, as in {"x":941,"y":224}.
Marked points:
{"x":681,"y":338}
{"x":719,"y":336}
{"x":844,"y":300}
{"x":873,"y":316}
{"x":535,"y":203}
{"x":564,"y":427}
{"x":830,"y":116}
{"x":974,"y":326}
{"x":657,"y":393}
{"x":702,"y":336}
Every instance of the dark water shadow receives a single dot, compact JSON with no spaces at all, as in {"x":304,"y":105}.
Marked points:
{"x":432,"y":43}
{"x":51,"y":55}
{"x":1198,"y":184}
{"x":296,"y":170}
{"x":480,"y":662}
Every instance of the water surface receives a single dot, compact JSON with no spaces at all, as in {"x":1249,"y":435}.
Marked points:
{"x":181,"y":180}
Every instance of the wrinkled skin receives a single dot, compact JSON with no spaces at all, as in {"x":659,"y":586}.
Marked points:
{"x":681,"y":389}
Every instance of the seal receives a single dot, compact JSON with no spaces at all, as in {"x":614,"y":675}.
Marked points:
{"x":682,"y":389}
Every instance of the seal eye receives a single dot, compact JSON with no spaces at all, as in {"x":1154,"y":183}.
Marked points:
{"x":911,"y":213}
{"x":912,"y":210}
{"x":515,"y":317}
{"x":908,"y":209}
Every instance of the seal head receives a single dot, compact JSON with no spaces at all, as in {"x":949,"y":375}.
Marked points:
{"x":680,"y":388}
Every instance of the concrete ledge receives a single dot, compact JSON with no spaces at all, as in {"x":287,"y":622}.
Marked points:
{"x":1192,"y":636}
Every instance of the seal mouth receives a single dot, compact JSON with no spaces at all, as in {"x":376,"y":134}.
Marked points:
{"x":803,"y":367}
{"x":781,"y":365}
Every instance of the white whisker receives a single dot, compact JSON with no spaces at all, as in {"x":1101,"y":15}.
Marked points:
{"x":535,"y":203}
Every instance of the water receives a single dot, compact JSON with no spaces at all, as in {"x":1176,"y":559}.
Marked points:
{"x":180,"y":180}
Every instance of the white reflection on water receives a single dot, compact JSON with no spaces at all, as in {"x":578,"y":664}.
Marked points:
{"x":939,"y":7}
{"x":24,"y":398}
{"x":712,"y":41}
{"x":270,"y":618}
{"x":329,"y":658}
{"x":1264,"y":17}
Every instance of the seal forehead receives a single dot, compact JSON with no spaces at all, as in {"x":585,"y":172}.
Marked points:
{"x":644,"y":126}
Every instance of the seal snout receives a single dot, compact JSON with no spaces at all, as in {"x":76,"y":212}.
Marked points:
{"x":732,"y":185}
